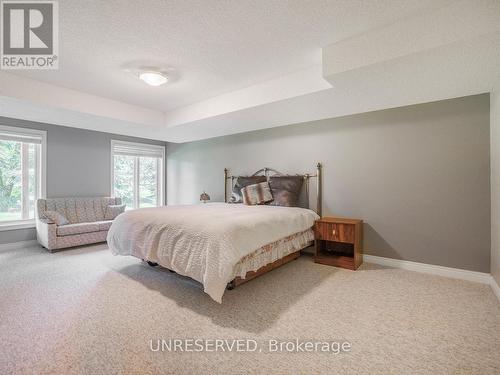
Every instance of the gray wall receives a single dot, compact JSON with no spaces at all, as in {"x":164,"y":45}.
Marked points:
{"x":495,"y":184}
{"x":78,"y":164}
{"x":419,"y":176}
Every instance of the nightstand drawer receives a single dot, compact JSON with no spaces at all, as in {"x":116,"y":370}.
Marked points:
{"x":339,"y":242}
{"x":338,"y":232}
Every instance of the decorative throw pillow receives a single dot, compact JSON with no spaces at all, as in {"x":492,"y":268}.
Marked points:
{"x":113,"y":210}
{"x":285,"y":190}
{"x":256,"y":194}
{"x":241,"y":182}
{"x":55,"y":217}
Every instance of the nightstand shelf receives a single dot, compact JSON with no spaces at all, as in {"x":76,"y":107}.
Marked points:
{"x":338,"y":242}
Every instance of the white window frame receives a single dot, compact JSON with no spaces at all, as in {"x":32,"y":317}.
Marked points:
{"x":42,"y":166}
{"x":160,"y":171}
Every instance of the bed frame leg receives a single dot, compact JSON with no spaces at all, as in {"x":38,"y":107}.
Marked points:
{"x":154,"y":264}
{"x":230,"y":285}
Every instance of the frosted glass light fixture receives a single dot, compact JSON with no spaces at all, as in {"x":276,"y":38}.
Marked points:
{"x":153,"y":78}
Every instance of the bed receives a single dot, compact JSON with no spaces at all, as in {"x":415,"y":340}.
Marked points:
{"x":220,"y":245}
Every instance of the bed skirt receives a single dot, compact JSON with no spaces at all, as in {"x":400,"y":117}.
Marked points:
{"x":272,"y":252}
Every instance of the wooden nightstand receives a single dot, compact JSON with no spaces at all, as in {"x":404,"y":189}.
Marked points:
{"x":339,"y":242}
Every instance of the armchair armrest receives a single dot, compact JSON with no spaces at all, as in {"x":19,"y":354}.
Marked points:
{"x":46,"y":233}
{"x":46,"y":221}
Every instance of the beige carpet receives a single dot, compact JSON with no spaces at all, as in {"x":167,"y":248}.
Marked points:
{"x":84,"y":311}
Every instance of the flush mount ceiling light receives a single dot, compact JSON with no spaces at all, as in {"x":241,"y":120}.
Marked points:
{"x":153,"y":73}
{"x":153,"y":78}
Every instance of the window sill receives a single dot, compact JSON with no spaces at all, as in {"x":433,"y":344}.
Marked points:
{"x":13,"y":225}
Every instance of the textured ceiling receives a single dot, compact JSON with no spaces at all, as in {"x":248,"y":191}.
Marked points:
{"x":214,"y":47}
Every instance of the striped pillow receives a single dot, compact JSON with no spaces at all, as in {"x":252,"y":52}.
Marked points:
{"x":241,"y":182}
{"x":256,"y":194}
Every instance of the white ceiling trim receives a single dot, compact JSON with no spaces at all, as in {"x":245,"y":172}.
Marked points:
{"x":47,"y":95}
{"x":303,"y":82}
{"x":30,"y":111}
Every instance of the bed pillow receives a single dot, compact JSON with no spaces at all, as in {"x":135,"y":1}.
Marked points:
{"x":256,"y":194}
{"x":54,"y":217}
{"x":285,"y":190}
{"x":241,"y":182}
{"x":113,"y":210}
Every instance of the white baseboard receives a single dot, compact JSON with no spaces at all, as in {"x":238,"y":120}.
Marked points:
{"x":455,"y":273}
{"x":495,"y":287}
{"x":18,"y":245}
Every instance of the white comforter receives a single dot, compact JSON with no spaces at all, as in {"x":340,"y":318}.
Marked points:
{"x":204,"y":241}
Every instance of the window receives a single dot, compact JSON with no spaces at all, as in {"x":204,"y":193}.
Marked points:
{"x":22,"y":175}
{"x":137,"y":173}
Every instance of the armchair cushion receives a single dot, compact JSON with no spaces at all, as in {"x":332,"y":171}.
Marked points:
{"x":79,"y":228}
{"x":104,"y":225}
{"x":113,"y":210}
{"x":54,"y":217}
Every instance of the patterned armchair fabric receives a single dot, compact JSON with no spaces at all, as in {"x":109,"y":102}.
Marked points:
{"x":86,"y":218}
